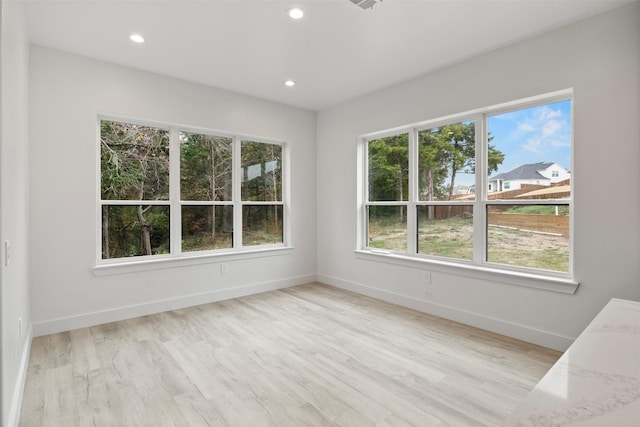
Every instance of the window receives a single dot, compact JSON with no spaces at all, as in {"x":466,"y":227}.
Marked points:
{"x":388,"y":160}
{"x":168,"y":192}
{"x":475,"y":190}
{"x":446,"y":167}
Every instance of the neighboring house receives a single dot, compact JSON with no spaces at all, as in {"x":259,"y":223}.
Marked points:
{"x":543,"y":173}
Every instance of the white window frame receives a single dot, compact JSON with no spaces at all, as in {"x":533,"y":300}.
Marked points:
{"x":178,"y":257}
{"x":564,"y":282}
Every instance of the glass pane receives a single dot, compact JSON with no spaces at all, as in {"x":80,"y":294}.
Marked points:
{"x":205,"y":167}
{"x":134,"y":162}
{"x":535,"y":236}
{"x":446,"y":231}
{"x":530,"y":153}
{"x":389,"y":168}
{"x":261,"y":172}
{"x":446,"y":162}
{"x":129,"y":231}
{"x":388,"y":227}
{"x":261,"y":225}
{"x":207,"y":227}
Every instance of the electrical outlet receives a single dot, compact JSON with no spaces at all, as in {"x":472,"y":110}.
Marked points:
{"x":223,"y":268}
{"x":20,"y":326}
{"x":427,"y":277}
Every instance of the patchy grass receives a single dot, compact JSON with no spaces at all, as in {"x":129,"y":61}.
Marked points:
{"x":453,"y":238}
{"x":526,"y":249}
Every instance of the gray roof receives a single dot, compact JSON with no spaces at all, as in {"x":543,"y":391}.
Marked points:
{"x":529,"y":171}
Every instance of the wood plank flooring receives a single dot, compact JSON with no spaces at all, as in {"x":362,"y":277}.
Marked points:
{"x":310,"y":355}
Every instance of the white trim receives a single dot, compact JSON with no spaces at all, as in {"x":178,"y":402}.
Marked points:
{"x":236,"y":191}
{"x":175,"y":208}
{"x":411,"y":214}
{"x":18,"y":391}
{"x":286,"y":193}
{"x":100,"y":317}
{"x":182,"y":127}
{"x":156,"y":262}
{"x":479,"y":208}
{"x":537,"y":336}
{"x":547,"y":282}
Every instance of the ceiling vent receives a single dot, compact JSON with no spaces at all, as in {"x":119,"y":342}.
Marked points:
{"x":365,"y":4}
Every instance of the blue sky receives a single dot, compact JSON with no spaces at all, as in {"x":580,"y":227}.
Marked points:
{"x":537,"y":134}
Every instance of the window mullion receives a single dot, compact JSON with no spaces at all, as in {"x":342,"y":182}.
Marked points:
{"x":412,"y":223}
{"x":479,"y":209}
{"x":236,"y":191}
{"x":175,"y":210}
{"x":362,"y":196}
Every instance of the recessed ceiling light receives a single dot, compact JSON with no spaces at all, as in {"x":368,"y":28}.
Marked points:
{"x":295,"y":13}
{"x":289,"y":83}
{"x":137,"y":38}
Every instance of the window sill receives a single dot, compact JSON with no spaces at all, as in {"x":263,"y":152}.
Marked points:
{"x":529,"y":280}
{"x":123,"y":267}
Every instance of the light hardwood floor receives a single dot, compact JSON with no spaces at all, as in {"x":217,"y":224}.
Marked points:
{"x":310,"y":355}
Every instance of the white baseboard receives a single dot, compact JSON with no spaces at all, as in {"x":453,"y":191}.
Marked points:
{"x":18,"y":390}
{"x":503,"y":327}
{"x":121,"y":313}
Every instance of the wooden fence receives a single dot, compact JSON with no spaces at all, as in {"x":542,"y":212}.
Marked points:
{"x":557,"y":224}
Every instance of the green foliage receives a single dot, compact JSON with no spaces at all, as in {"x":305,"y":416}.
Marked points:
{"x":444,"y":153}
{"x":134,"y":162}
{"x":262,"y":225}
{"x":389,"y":168}
{"x":207,"y":227}
{"x":262,"y":171}
{"x":205,"y":167}
{"x":123,"y":230}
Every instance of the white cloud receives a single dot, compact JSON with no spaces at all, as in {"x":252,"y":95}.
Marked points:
{"x":545,"y":129}
{"x":533,"y":145}
{"x":550,"y":128}
{"x":525,"y":127}
{"x":545,"y":113}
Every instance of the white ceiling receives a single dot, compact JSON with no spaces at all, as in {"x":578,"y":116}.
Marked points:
{"x":336,"y":52}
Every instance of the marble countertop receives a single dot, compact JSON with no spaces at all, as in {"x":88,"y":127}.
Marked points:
{"x":596,"y":382}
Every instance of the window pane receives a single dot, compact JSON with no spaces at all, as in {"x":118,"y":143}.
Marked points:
{"x":207,"y":228}
{"x":134,"y":162}
{"x":389,"y":168}
{"x":129,"y":231}
{"x":205,"y":167}
{"x":261,"y":171}
{"x":446,"y":231}
{"x":261,"y":225}
{"x":446,"y":162}
{"x":388,"y":227}
{"x":535,"y":236}
{"x":530,"y":153}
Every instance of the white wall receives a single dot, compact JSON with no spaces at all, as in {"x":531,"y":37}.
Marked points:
{"x":600,"y":59}
{"x":14,"y":278}
{"x":66,"y":94}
